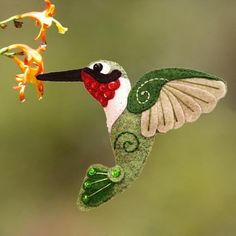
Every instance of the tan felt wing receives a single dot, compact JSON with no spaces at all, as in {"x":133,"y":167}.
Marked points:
{"x":181,"y":101}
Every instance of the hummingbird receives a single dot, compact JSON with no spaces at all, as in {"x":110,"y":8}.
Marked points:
{"x":162,"y":100}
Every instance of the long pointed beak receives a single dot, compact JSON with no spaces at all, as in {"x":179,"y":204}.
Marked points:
{"x":62,"y":76}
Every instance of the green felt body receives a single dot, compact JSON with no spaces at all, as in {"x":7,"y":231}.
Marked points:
{"x":131,"y":150}
{"x":130,"y":147}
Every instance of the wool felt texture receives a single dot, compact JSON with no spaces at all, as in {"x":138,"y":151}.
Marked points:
{"x":103,"y":78}
{"x":181,"y":101}
{"x":146,"y":91}
{"x":97,"y":187}
{"x":162,"y":100}
{"x":75,"y":76}
{"x":131,"y":150}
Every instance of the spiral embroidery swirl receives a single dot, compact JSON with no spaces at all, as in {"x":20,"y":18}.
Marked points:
{"x":145,"y":94}
{"x":127,"y":141}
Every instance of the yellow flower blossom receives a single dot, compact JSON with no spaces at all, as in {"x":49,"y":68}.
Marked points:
{"x":44,"y":19}
{"x":31,"y":66}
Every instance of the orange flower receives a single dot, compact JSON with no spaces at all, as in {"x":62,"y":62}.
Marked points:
{"x":31,"y":66}
{"x":44,"y":19}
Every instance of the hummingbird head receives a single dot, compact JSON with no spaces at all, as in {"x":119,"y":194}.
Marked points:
{"x":102,"y":79}
{"x":106,"y":81}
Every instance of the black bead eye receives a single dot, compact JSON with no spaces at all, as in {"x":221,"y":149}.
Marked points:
{"x":98,"y":67}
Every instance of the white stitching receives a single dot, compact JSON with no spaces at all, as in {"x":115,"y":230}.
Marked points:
{"x":146,"y":92}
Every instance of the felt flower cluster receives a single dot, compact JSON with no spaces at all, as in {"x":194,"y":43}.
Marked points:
{"x":31,"y":64}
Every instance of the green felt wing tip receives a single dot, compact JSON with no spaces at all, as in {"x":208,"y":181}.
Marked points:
{"x":98,"y":186}
{"x":146,"y":91}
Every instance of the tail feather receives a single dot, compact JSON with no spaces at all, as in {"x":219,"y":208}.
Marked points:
{"x":99,"y":185}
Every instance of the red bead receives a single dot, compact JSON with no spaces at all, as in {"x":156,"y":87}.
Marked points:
{"x":102,"y":92}
{"x":103,"y":101}
{"x":91,"y":91}
{"x":86,"y":80}
{"x":86,"y":76}
{"x":103,"y":87}
{"x":94,"y":85}
{"x":97,"y":95}
{"x":87,"y":84}
{"x":109,"y":94}
{"x":114,"y":85}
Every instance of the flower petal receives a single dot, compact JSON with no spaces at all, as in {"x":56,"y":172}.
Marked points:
{"x":61,"y":29}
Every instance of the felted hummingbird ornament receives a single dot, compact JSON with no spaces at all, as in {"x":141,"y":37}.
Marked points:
{"x":160,"y":101}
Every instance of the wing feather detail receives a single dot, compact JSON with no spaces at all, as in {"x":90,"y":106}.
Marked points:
{"x":165,"y":113}
{"x":181,"y":101}
{"x":179,"y":117}
{"x":149,"y":121}
{"x":215,"y":87}
{"x":204,"y":98}
{"x":189,"y":105}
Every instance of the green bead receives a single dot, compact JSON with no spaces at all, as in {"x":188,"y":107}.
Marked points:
{"x":85,"y":199}
{"x":91,"y":171}
{"x":116,"y":172}
{"x":87,"y":184}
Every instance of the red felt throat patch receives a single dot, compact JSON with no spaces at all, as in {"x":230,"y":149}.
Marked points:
{"x":102,"y":92}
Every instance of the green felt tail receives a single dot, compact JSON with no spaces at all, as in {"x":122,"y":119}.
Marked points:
{"x":99,"y":185}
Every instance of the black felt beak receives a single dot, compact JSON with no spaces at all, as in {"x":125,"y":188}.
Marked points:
{"x":62,"y":76}
{"x":79,"y":75}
